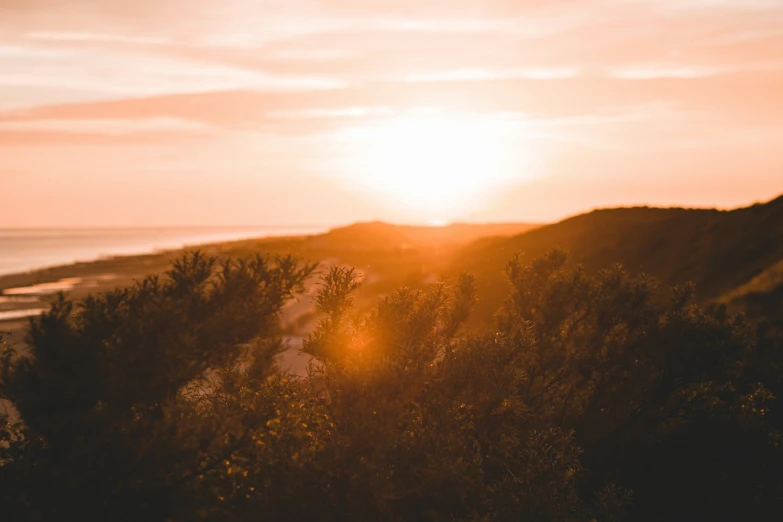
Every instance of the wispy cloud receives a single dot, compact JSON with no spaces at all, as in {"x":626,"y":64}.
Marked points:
{"x":347,"y":112}
{"x":111,"y":74}
{"x":685,"y":72}
{"x":651,"y":72}
{"x":602,"y":85}
{"x":106,"y":126}
{"x":690,"y":6}
{"x":65,"y":36}
{"x":313,"y":54}
{"x":479,"y":74}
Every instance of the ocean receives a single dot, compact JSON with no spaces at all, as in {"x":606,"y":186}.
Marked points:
{"x":24,"y":250}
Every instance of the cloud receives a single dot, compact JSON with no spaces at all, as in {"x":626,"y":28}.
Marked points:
{"x":112,"y":127}
{"x":688,"y":72}
{"x":313,"y":55}
{"x":690,"y":6}
{"x":255,"y":31}
{"x":651,"y":72}
{"x":481,"y":74}
{"x":66,"y":36}
{"x":346,"y":112}
{"x":117,"y":74}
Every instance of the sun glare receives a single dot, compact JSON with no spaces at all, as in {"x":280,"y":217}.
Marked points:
{"x":437,"y":167}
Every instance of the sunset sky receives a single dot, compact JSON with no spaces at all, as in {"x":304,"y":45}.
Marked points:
{"x":307,"y":112}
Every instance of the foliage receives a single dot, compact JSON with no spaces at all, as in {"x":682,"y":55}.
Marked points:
{"x":722,"y":252}
{"x":163,"y":402}
{"x":644,"y":380}
{"x":100,"y":392}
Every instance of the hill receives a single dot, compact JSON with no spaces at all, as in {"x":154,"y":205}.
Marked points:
{"x":729,"y":255}
{"x":733,"y":257}
{"x":387,"y":237}
{"x":387,"y":256}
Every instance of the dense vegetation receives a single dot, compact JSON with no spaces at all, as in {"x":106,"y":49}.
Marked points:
{"x":388,"y":256}
{"x":594,"y":396}
{"x":731,"y":256}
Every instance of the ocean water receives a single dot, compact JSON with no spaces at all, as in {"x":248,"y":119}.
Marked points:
{"x":26,"y":250}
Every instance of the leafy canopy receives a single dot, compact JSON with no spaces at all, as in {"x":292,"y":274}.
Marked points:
{"x":163,"y":402}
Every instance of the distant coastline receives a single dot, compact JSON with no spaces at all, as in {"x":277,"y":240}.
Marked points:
{"x":27,"y":250}
{"x":98,"y":260}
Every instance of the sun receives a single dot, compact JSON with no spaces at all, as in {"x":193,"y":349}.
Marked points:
{"x":436,"y":167}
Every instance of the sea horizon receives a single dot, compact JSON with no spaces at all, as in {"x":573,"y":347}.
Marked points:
{"x":28,"y":249}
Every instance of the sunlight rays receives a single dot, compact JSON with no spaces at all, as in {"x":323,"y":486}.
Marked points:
{"x":435,"y":165}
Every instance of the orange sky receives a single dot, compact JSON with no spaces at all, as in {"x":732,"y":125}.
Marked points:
{"x":224,"y":112}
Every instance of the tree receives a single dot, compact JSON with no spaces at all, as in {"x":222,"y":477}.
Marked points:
{"x":163,"y":402}
{"x":405,"y":400}
{"x":656,"y":390}
{"x":100,"y":393}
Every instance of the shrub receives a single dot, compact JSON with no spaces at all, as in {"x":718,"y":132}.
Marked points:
{"x":163,"y":402}
{"x":109,"y":434}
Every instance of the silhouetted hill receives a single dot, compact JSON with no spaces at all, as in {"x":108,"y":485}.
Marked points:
{"x":385,"y":237}
{"x":734,"y":257}
{"x":719,"y":251}
{"x":761,"y":296}
{"x":387,"y":256}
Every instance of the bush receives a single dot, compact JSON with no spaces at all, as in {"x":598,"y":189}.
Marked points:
{"x":110,"y":434}
{"x":163,"y":402}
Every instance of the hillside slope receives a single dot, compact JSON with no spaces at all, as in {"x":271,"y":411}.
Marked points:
{"x":388,"y":256}
{"x":381,"y":236}
{"x":719,"y":251}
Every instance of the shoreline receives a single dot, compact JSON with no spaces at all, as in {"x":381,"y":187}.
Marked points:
{"x":388,"y":257}
{"x":26,"y":294}
{"x":44,"y":248}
